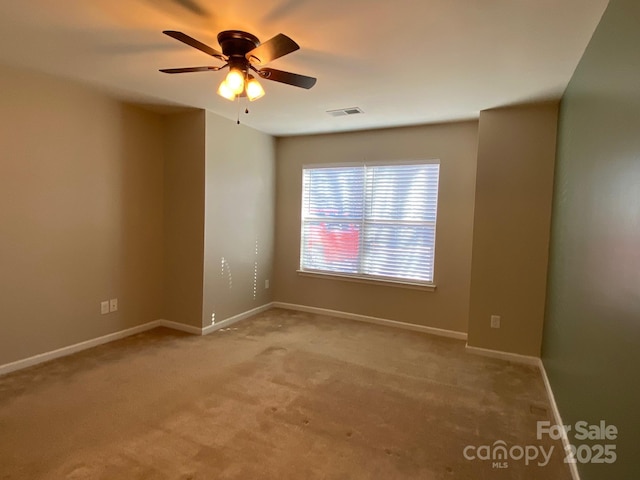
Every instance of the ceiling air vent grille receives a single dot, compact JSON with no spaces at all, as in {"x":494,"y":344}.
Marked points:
{"x":341,"y":112}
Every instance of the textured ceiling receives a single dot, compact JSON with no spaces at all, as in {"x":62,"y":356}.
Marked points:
{"x":402,"y":62}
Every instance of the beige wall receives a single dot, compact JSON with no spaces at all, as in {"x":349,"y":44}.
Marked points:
{"x":219,"y":204}
{"x":80,"y":214}
{"x":455,"y":145}
{"x":240,"y":197}
{"x":184,"y":183}
{"x":516,"y":154}
{"x":101,"y":200}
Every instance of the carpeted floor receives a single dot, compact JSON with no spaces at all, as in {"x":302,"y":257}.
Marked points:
{"x":284,"y":395}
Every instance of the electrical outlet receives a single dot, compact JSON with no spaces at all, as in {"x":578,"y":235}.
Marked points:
{"x":104,"y":307}
{"x":495,"y":321}
{"x":266,"y":284}
{"x":113,"y":305}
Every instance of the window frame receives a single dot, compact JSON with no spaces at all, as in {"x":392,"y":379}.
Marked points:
{"x":360,"y":277}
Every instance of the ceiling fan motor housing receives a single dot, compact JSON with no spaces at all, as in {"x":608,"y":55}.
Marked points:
{"x":235,"y":45}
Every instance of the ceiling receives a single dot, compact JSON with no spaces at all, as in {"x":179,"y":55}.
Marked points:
{"x":403,"y":62}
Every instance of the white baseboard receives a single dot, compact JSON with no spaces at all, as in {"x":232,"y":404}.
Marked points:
{"x":378,"y":321}
{"x":94,"y":342}
{"x":236,"y":318}
{"x":182,"y":327}
{"x":575,"y":475}
{"x":512,"y":357}
{"x":77,"y":347}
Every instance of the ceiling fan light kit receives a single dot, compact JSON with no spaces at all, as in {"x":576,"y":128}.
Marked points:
{"x":242,"y":52}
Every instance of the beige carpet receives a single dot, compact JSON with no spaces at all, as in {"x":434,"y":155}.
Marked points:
{"x":281,"y":396}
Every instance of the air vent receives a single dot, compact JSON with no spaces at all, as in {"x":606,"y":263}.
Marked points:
{"x":344,"y":111}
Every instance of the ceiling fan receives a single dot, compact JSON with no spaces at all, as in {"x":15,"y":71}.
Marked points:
{"x":243,"y":53}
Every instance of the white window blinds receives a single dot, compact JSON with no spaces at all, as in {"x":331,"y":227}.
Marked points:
{"x":374,"y":221}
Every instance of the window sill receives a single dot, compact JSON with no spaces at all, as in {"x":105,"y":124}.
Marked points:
{"x":368,"y":280}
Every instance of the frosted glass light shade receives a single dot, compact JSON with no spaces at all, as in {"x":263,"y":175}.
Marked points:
{"x":235,"y":81}
{"x":225,"y":92}
{"x":254,"y":89}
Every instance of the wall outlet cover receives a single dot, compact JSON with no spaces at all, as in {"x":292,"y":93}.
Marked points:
{"x":104,"y":307}
{"x":113,"y":305}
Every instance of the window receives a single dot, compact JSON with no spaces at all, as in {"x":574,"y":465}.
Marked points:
{"x":370,"y":221}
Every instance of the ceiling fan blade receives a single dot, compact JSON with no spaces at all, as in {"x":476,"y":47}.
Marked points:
{"x":190,"y":69}
{"x":192,"y":42}
{"x":289,"y":78}
{"x":193,"y":7}
{"x":277,"y":47}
